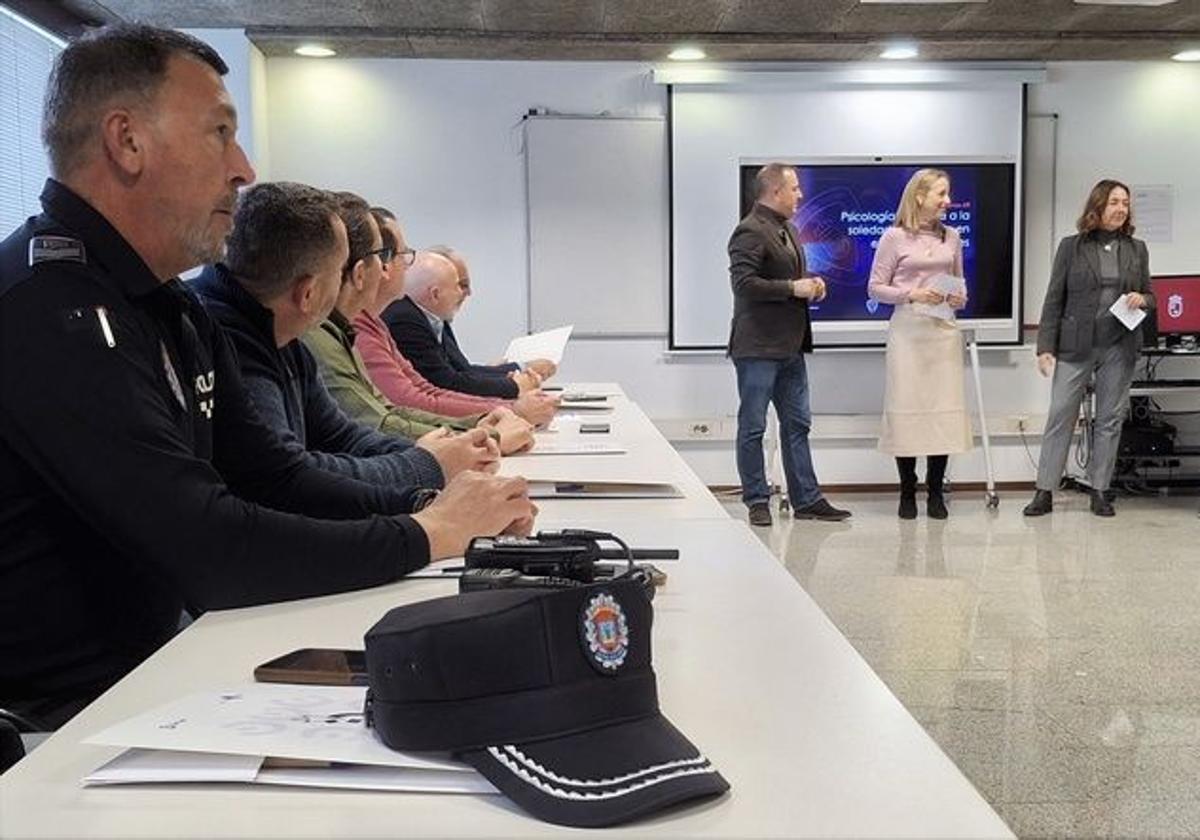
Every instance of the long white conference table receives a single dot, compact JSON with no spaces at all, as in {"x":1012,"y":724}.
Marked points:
{"x":749,"y":668}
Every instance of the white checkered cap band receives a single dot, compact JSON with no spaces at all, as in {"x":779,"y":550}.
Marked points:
{"x":551,"y":784}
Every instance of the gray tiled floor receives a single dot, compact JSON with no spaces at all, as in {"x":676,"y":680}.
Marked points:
{"x":1054,"y":659}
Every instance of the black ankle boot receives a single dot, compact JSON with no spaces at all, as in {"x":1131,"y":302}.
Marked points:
{"x":907,"y":467}
{"x":935,"y":507}
{"x":1043,"y":503}
{"x":1101,"y":506}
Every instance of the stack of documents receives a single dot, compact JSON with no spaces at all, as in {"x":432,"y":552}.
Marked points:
{"x":272,"y":734}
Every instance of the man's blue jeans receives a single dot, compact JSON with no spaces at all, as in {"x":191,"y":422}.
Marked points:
{"x":784,"y":382}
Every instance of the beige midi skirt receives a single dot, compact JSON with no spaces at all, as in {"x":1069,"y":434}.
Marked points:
{"x":924,"y":405}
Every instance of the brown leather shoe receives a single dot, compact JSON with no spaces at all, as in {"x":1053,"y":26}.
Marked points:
{"x":760,"y":515}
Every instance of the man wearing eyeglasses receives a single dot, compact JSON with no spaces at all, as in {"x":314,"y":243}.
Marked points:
{"x":281,"y":277}
{"x":345,"y":376}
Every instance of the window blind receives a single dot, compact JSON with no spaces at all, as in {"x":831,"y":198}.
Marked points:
{"x":26,"y":55}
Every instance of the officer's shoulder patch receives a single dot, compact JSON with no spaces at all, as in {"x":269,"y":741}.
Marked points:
{"x":47,"y":248}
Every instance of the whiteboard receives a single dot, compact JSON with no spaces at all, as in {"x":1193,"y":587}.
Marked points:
{"x":598,"y":224}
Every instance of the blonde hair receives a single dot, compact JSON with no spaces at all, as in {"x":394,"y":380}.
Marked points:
{"x":908,"y":215}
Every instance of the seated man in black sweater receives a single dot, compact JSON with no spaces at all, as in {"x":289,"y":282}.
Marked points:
{"x":420,"y":325}
{"x":136,"y":480}
{"x":281,"y":275}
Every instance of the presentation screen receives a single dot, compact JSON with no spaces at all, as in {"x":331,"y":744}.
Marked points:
{"x":847,"y":207}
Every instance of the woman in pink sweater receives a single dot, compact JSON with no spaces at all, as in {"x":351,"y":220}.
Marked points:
{"x":924,"y":409}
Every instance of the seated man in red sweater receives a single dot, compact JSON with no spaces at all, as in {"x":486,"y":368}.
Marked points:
{"x":393,"y":374}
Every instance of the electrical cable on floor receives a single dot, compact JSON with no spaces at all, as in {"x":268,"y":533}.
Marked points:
{"x":1028,"y":451}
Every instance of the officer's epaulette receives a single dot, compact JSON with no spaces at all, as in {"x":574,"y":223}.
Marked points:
{"x":50,"y":248}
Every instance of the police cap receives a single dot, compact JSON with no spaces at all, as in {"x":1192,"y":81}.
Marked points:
{"x":550,"y":694}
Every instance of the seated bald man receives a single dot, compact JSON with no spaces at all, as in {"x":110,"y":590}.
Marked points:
{"x":420,"y":323}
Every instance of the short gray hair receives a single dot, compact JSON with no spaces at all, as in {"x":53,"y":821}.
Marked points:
{"x":128,"y":60}
{"x":770,"y":177}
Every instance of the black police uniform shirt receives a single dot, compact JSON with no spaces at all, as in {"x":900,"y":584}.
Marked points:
{"x":135,"y":478}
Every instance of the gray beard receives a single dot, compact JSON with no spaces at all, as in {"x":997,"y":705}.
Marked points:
{"x":202,"y":249}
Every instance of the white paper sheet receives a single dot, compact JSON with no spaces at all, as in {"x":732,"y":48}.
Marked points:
{"x":364,"y":777}
{"x":1129,"y":317}
{"x":138,"y":766}
{"x":590,"y":407}
{"x":543,"y":345}
{"x":946,"y":284}
{"x":568,"y":446}
{"x":320,"y":723}
{"x":570,"y":417}
{"x":601,"y":490}
{"x":447,"y":569}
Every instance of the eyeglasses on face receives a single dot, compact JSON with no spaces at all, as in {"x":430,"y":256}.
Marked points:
{"x":386,"y":254}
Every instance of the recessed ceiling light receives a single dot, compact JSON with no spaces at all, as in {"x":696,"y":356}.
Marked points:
{"x":896,"y":52}
{"x":1187,"y":55}
{"x":686,"y":54}
{"x":314,"y":51}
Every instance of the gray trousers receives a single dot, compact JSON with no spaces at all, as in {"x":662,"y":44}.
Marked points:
{"x":1112,"y":367}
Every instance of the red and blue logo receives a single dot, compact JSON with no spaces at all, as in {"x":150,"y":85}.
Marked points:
{"x":605,"y":632}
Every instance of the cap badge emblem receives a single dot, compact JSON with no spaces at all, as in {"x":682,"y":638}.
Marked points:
{"x":606,"y":632}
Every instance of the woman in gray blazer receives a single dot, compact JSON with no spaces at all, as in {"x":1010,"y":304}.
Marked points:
{"x":1081,"y":340}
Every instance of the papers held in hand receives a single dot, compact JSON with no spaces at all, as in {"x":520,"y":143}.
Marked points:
{"x":1127,"y":316}
{"x":543,"y":345}
{"x":947,"y":284}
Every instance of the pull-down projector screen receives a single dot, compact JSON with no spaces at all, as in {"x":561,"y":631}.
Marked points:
{"x":854,"y":149}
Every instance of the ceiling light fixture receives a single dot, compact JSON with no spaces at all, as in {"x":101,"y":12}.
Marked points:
{"x":898,"y":52}
{"x":1186,"y":55}
{"x":314,"y":51}
{"x":686,"y":54}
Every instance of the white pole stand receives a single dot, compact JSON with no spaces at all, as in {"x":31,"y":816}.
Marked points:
{"x":993,"y":500}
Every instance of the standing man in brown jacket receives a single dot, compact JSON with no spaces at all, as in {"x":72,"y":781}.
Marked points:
{"x":769,"y":335}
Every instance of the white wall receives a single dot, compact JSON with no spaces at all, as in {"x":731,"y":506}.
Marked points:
{"x":439,"y":142}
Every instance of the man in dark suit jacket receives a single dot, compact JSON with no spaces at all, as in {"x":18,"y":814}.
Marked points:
{"x":768,"y":337}
{"x":420,"y":325}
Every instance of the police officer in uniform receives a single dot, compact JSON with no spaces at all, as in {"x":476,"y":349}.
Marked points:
{"x":135,"y":479}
